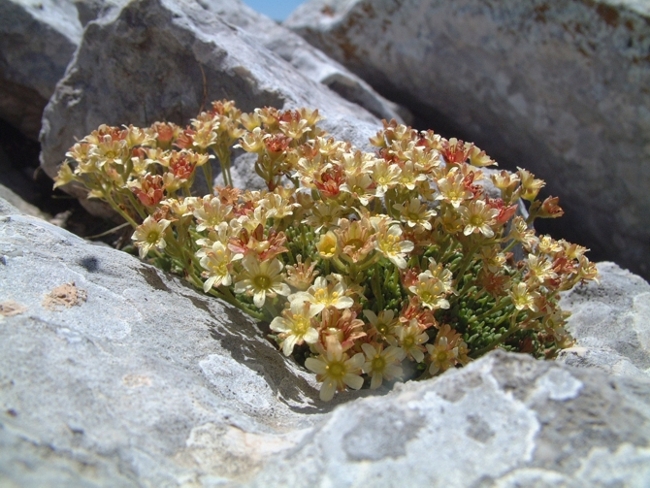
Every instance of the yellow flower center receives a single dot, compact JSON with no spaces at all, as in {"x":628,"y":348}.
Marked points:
{"x":262,"y":282}
{"x":300,"y":327}
{"x":153,"y":236}
{"x":441,"y":357}
{"x":378,"y":363}
{"x":426,"y":296}
{"x":355,"y":243}
{"x":336,"y":370}
{"x":321,"y":295}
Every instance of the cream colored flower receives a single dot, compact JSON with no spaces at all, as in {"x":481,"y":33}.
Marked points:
{"x":386,"y":176}
{"x":150,"y":234}
{"x":217,"y":261}
{"x":414,"y":213}
{"x":478,"y":217}
{"x":392,"y":246}
{"x":65,"y":175}
{"x":431,"y":291}
{"x":523,"y":298}
{"x":210,"y":212}
{"x":336,"y":370}
{"x":382,"y":364}
{"x":383,"y":324}
{"x":452,"y":189}
{"x":261,"y":280}
{"x":411,"y":340}
{"x":328,"y":246}
{"x":323,"y":294}
{"x":295,"y":327}
{"x":530,"y":186}
{"x":360,"y":186}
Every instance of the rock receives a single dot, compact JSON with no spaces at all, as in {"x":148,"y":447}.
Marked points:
{"x":37,"y":40}
{"x":559,"y":88}
{"x":506,"y":420}
{"x":119,"y":374}
{"x":309,"y":61}
{"x":21,"y":205}
{"x":611,"y":322}
{"x":115,"y":374}
{"x":174,"y":58}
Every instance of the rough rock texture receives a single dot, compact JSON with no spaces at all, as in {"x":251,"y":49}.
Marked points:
{"x":611,"y":321}
{"x":37,"y":40}
{"x":560,"y":88}
{"x":505,"y":420}
{"x":115,"y":374}
{"x":308,"y":60}
{"x":164,"y":60}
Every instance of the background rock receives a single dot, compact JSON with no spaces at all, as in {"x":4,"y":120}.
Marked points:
{"x":164,"y":60}
{"x":37,"y":40}
{"x":308,"y":60}
{"x":560,"y":88}
{"x":611,"y":322}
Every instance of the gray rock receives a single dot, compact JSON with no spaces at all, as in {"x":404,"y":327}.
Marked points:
{"x":37,"y":40}
{"x":115,"y":374}
{"x":164,"y":60}
{"x":611,"y":322}
{"x":19,"y":204}
{"x":308,"y":60}
{"x":559,"y":88}
{"x":506,"y":420}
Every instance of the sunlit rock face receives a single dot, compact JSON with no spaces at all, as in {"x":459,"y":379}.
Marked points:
{"x":560,"y":88}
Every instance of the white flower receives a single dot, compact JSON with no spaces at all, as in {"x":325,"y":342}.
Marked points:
{"x":150,"y":234}
{"x":217,"y":260}
{"x":323,"y":294}
{"x":261,"y":279}
{"x":382,"y":364}
{"x":336,"y":370}
{"x":295,"y":326}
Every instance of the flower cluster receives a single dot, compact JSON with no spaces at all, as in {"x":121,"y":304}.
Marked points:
{"x":369,"y":267}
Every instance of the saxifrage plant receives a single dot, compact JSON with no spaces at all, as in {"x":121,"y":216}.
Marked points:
{"x":370,"y":267}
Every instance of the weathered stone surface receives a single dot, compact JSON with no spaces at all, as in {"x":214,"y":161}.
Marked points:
{"x":115,"y":374}
{"x":164,"y":60}
{"x":612,"y":323}
{"x":130,"y":377}
{"x":506,"y":420}
{"x":308,"y":60}
{"x":560,"y":88}
{"x":20,"y":204}
{"x":37,"y":40}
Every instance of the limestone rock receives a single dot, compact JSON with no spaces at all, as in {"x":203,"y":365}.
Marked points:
{"x":560,"y":88}
{"x":37,"y":40}
{"x":611,"y":322}
{"x":506,"y":420}
{"x":129,"y":376}
{"x":309,"y":61}
{"x":164,"y":60}
{"x":115,"y":374}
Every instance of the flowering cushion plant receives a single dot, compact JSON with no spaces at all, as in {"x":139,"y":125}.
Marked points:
{"x":370,"y":267}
